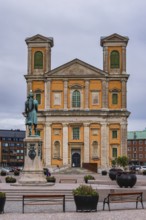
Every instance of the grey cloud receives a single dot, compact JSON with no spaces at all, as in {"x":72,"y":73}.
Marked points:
{"x":76,"y":26}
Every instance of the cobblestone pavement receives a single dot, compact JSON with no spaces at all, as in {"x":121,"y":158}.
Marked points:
{"x":124,"y":211}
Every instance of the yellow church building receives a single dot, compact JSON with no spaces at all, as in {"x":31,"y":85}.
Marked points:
{"x":82,"y":115}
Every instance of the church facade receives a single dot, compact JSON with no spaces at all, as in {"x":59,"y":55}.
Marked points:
{"x":82,"y":113}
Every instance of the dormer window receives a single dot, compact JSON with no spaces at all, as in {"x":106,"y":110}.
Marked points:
{"x":115,"y":59}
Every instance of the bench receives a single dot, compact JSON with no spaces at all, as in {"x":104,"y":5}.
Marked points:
{"x":123,"y":198}
{"x":68,"y":181}
{"x":43,"y":200}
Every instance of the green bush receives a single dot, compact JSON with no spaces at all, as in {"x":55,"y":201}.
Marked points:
{"x":3,"y":173}
{"x":2,"y":194}
{"x":51,"y":179}
{"x":84,"y":190}
{"x":10,"y":179}
{"x":16,"y":173}
{"x":88,"y":177}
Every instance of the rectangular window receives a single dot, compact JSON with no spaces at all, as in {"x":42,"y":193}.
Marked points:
{"x":140,"y":142}
{"x":57,"y":98}
{"x":129,"y":142}
{"x":76,"y":133}
{"x":134,"y":149}
{"x":114,"y":98}
{"x":38,"y":132}
{"x":38,"y":98}
{"x":140,"y":155}
{"x":95,"y":98}
{"x":114,"y":134}
{"x":129,"y":148}
{"x":134,"y":156}
{"x":140,"y":148}
{"x":114,"y":152}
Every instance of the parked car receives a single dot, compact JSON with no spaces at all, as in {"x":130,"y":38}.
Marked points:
{"x":135,"y":167}
{"x":142,"y":168}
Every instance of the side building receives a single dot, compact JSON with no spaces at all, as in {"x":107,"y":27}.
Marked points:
{"x":83,"y":113}
{"x":136,"y":150}
{"x":11,"y":147}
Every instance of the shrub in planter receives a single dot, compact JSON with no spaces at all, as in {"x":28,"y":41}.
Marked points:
{"x":2,"y":201}
{"x":10,"y":179}
{"x":86,"y":198}
{"x":16,"y":173}
{"x":51,"y":179}
{"x":88,"y":177}
{"x":104,"y":172}
{"x":3,"y":173}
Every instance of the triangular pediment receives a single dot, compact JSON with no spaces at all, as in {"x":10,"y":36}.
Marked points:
{"x":114,"y":38}
{"x":39,"y":39}
{"x":76,"y":68}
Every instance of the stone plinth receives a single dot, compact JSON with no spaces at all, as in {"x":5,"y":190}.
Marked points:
{"x":33,"y":169}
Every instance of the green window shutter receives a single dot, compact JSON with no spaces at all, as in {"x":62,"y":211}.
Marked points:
{"x":114,"y":98}
{"x":76,"y":99}
{"x":115,"y":59}
{"x":114,"y":152}
{"x":38,"y":60}
{"x":76,"y":133}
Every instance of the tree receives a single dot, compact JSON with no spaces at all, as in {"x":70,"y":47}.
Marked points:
{"x":122,"y":161}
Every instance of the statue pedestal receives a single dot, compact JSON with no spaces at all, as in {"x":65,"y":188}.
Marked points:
{"x":33,"y":170}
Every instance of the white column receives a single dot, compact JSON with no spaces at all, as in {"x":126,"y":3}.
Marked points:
{"x":47,"y":94}
{"x":87,"y":95}
{"x":104,"y":145}
{"x":65,"y":94}
{"x":86,"y":143}
{"x":47,"y":144}
{"x":65,"y":144}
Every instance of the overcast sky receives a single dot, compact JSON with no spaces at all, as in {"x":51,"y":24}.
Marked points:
{"x":76,"y":26}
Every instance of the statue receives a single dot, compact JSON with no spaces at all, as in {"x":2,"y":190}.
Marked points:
{"x":31,"y":108}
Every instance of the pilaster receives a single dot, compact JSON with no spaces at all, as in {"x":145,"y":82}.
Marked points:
{"x":47,"y":94}
{"x":124,"y":137}
{"x":105,"y":59}
{"x":65,"y":94}
{"x":47,"y":144}
{"x":124,"y":95}
{"x":86,"y":142}
{"x":104,"y":145}
{"x":65,"y":144}
{"x":87,"y":94}
{"x":124,"y":59}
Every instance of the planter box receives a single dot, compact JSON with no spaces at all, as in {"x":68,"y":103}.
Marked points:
{"x":2,"y":204}
{"x":86,"y":203}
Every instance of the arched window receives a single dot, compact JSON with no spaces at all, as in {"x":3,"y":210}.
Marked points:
{"x":56,"y":151}
{"x":76,"y":99}
{"x":38,"y":60}
{"x":115,"y":59}
{"x":95,"y":149}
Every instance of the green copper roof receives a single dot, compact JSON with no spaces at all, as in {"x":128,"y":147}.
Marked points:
{"x":136,"y":135}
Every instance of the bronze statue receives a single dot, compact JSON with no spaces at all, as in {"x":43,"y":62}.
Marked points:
{"x":31,"y":108}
